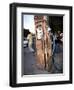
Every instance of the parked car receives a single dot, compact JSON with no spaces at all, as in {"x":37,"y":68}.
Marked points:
{"x":25,"y":43}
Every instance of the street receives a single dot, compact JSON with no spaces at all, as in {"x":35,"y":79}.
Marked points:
{"x":29,"y":66}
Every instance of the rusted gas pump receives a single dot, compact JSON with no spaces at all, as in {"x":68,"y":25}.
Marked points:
{"x":43,"y":42}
